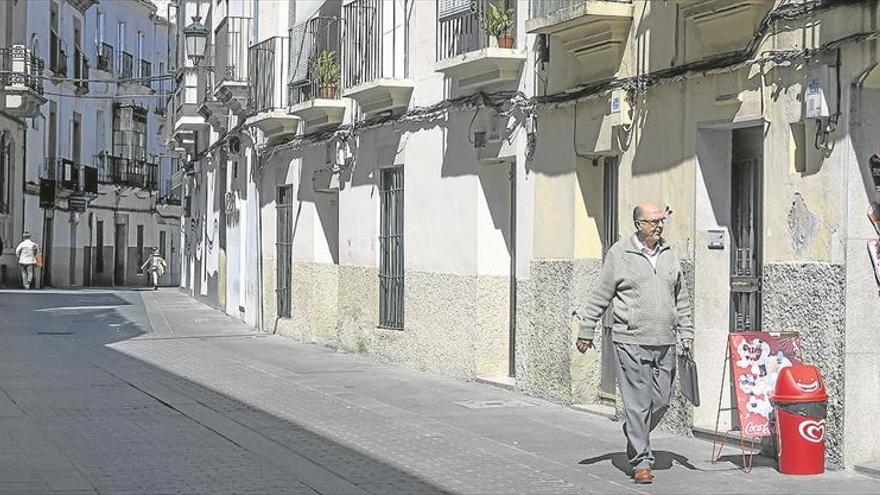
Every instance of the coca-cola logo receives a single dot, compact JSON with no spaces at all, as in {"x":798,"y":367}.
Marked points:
{"x":757,"y":429}
{"x":812,"y":431}
{"x":808,"y":387}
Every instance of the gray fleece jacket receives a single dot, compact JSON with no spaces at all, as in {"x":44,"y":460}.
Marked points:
{"x":651,"y":304}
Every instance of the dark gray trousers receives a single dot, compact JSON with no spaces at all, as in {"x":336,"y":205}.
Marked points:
{"x":645,"y":375}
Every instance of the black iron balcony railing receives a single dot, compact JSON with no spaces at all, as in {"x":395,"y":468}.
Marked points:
{"x":19,"y":67}
{"x":317,"y":37}
{"x":69,"y":175}
{"x":459,"y":29}
{"x":231,"y":49}
{"x":130,"y":172}
{"x":146,"y":73}
{"x":105,"y":57}
{"x":126,"y":65}
{"x":366,"y":54}
{"x":269,"y":61}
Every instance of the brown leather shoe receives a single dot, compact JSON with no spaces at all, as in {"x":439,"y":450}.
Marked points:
{"x":643,"y":476}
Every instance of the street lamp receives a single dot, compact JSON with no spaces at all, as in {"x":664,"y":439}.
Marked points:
{"x":196,"y":35}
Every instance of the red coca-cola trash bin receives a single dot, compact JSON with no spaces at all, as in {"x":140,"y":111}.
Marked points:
{"x":800,"y":404}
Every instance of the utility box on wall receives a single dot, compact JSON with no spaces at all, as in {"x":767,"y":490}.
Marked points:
{"x":820,"y":92}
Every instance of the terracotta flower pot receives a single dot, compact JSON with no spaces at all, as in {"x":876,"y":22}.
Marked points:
{"x":506,"y":40}
{"x":328,"y":92}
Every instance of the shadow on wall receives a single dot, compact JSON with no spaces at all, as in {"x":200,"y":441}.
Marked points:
{"x":865,"y":130}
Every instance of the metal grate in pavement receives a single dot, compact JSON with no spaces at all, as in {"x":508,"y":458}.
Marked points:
{"x":493,"y":404}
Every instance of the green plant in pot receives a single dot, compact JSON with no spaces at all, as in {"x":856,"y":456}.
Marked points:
{"x":498,"y":23}
{"x":327,"y":71}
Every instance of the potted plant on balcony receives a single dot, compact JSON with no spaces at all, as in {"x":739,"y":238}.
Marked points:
{"x":498,"y":24}
{"x":327,"y":71}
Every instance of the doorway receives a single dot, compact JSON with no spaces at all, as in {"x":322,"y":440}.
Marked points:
{"x":120,"y":241}
{"x":49,"y":240}
{"x":746,"y":228}
{"x":511,"y":341}
{"x":610,"y":234}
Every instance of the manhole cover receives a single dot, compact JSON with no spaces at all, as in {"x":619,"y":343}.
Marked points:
{"x":493,"y":404}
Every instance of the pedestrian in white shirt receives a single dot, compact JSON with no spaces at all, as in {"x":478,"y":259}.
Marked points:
{"x":26,"y":252}
{"x":155,"y":267}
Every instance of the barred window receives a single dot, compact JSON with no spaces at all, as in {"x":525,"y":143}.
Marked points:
{"x":391,"y":270}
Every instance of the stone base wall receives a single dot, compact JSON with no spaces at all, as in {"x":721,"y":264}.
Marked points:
{"x":453,"y":324}
{"x":810,"y":298}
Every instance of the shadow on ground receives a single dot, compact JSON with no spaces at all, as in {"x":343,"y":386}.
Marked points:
{"x":663,"y":460}
{"x":63,"y":376}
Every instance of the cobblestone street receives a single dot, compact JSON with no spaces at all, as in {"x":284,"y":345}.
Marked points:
{"x":151,"y":392}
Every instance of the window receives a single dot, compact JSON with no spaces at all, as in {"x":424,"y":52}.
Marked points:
{"x":99,"y":29}
{"x":130,"y":132}
{"x":284,"y":249}
{"x":76,"y":138}
{"x":391,"y":250}
{"x":140,"y":247}
{"x":99,"y":247}
{"x":54,"y":39}
{"x":162,"y":240}
{"x":5,"y":172}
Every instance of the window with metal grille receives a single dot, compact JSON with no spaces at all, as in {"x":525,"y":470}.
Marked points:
{"x":284,"y":249}
{"x":99,"y":247}
{"x":391,"y":250}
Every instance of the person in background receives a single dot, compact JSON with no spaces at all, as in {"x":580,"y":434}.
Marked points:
{"x":154,"y":267}
{"x":26,"y":252}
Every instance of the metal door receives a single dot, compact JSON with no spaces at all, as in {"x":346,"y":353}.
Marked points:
{"x":746,"y":229}
{"x":610,"y":234}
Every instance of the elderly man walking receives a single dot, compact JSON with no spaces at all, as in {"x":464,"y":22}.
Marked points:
{"x":642,"y":277}
{"x":26,"y":252}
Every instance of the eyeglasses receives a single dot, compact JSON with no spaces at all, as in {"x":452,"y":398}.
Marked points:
{"x":655,"y":223}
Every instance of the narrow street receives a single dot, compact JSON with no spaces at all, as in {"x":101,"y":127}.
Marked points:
{"x":151,"y":392}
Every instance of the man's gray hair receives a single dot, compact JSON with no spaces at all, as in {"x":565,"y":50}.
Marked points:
{"x":26,"y":234}
{"x":637,"y":213}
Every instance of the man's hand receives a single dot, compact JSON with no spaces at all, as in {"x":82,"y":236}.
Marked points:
{"x":584,"y":344}
{"x":687,"y":344}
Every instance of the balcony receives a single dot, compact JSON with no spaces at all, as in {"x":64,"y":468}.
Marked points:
{"x":270,"y":61}
{"x":314,"y":86}
{"x":21,"y":82}
{"x":171,"y":192}
{"x":70,"y":178}
{"x":146,"y":72}
{"x":467,"y":54}
{"x":128,"y":172}
{"x":105,"y":58}
{"x":231,"y":63}
{"x":210,"y":108}
{"x":723,"y":26}
{"x":185,"y":119}
{"x":126,"y":65}
{"x":373,"y":60}
{"x":593,"y":31}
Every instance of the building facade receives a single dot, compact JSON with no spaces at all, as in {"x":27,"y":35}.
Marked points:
{"x":96,"y":192}
{"x":387,"y":177}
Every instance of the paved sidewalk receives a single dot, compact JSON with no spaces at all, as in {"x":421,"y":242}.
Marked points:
{"x":151,"y":392}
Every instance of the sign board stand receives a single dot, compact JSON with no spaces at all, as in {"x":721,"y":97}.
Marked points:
{"x":753,"y":360}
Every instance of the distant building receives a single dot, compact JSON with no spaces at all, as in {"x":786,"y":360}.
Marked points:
{"x":97,"y":193}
